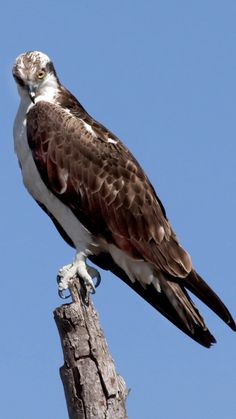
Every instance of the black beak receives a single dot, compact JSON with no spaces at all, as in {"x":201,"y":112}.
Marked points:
{"x":31,"y":91}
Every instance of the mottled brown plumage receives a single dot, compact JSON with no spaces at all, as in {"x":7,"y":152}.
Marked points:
{"x":108,"y":191}
{"x":104,"y":186}
{"x":87,"y":168}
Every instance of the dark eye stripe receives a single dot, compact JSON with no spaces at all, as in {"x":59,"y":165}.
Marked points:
{"x":19,"y":80}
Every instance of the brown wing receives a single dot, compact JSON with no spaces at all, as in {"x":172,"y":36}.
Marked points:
{"x":102,"y":183}
{"x":98,"y":178}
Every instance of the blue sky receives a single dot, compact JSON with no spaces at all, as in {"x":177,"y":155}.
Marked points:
{"x":160,"y":75}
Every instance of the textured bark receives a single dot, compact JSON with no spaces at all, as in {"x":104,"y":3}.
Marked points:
{"x":93,"y":389}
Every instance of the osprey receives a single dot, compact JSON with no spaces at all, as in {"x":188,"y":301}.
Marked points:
{"x":101,"y":201}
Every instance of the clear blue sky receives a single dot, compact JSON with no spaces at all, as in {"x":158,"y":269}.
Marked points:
{"x":161,"y":75}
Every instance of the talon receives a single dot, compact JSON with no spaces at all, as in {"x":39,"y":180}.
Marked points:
{"x":80,"y":270}
{"x":61,"y":294}
{"x":98,"y":282}
{"x":94,"y":274}
{"x":64,"y":278}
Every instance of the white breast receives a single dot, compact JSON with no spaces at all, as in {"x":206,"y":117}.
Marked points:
{"x":80,"y":236}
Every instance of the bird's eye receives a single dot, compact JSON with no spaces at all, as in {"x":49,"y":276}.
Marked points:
{"x":41,"y":74}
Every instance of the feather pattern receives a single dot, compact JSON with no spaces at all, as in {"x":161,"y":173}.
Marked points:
{"x":108,"y":191}
{"x":96,"y":193}
{"x":103,"y":185}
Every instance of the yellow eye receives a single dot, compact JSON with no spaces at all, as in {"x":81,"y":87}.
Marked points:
{"x":41,"y":74}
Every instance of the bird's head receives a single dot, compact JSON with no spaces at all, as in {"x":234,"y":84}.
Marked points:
{"x":35,"y":76}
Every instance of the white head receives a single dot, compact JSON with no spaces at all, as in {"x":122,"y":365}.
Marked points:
{"x":35,"y":76}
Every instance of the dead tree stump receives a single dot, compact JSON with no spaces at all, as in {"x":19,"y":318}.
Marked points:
{"x":93,"y":389}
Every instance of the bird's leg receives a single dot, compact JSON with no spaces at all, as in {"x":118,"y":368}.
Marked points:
{"x":78,"y":269}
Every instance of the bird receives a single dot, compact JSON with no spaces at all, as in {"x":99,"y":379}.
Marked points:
{"x":102,"y":202}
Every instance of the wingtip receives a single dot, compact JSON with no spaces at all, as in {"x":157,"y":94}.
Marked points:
{"x":196,"y":284}
{"x":205,"y":338}
{"x":231,"y":323}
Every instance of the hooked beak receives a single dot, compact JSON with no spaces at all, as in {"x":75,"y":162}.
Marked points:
{"x":32,"y":94}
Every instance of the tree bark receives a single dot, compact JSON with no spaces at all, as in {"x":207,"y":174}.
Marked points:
{"x":93,"y":389}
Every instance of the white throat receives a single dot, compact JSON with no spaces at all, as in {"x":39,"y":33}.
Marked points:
{"x":48,"y":90}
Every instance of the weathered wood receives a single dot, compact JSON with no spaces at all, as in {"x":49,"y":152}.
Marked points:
{"x":93,"y":389}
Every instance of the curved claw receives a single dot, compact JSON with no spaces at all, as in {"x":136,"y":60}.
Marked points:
{"x":98,"y":281}
{"x":61,"y":288}
{"x":94,"y":274}
{"x":68,"y":272}
{"x":61,"y":294}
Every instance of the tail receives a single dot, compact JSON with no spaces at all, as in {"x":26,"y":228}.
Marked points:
{"x":173,"y":301}
{"x":176,"y":305}
{"x":194,"y":283}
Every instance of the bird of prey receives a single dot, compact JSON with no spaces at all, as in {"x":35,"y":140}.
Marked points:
{"x":101,"y":201}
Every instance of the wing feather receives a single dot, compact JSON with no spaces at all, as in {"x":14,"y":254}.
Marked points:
{"x":108,"y":191}
{"x":103,"y":185}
